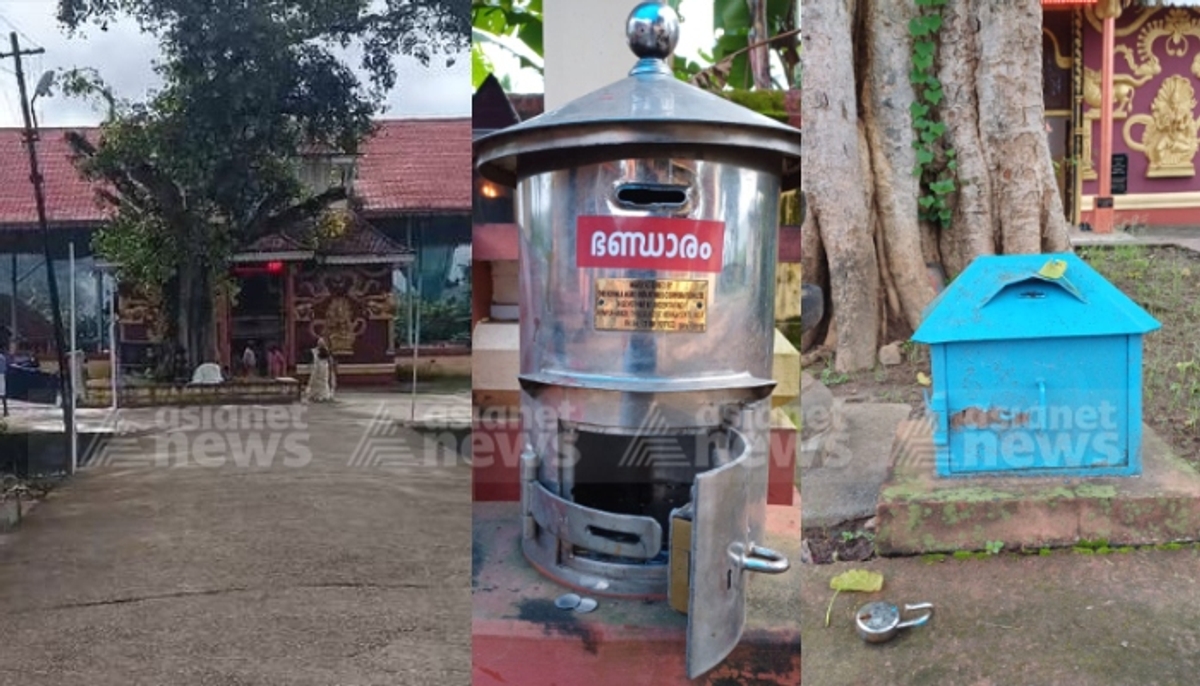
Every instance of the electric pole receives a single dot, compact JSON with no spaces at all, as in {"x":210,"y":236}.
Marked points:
{"x":65,"y":373}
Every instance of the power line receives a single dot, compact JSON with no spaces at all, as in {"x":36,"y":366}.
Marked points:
{"x":20,"y":33}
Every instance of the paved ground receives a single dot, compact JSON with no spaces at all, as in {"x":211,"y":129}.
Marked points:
{"x":1183,"y":236}
{"x":1064,"y":620}
{"x":1067,"y":619}
{"x":844,"y":484}
{"x":207,"y":572}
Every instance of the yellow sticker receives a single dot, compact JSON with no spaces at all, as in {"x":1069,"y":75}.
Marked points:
{"x":664,"y":305}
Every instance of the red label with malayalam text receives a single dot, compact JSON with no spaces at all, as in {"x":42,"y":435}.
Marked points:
{"x":658,"y":243}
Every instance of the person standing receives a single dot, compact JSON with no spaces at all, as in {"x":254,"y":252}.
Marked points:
{"x":6,"y":348}
{"x":320,"y":379}
{"x":3,"y":380}
{"x":276,"y":363}
{"x":249,"y":360}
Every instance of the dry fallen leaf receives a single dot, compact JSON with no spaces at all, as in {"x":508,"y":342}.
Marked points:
{"x":923,"y":379}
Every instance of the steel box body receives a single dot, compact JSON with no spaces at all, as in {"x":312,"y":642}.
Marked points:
{"x":577,"y":376}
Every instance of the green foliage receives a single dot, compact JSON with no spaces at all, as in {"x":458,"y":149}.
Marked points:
{"x":729,"y":65}
{"x":936,"y":164}
{"x":993,"y":547}
{"x":831,"y":377}
{"x":767,"y":103}
{"x":446,"y":320}
{"x":851,"y":536}
{"x":511,"y":21}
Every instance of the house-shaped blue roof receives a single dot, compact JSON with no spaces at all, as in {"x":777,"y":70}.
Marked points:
{"x":1004,"y":297}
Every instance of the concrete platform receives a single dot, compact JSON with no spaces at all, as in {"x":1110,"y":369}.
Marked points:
{"x":519,"y":637}
{"x":843,"y":483}
{"x":919,"y":513}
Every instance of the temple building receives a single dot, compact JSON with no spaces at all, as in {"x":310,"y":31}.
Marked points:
{"x":346,"y":277}
{"x":1156,"y":126}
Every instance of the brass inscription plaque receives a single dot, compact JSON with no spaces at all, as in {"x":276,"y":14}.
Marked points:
{"x":666,"y":305}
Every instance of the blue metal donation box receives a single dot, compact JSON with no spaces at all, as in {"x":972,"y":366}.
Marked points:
{"x":1037,"y":370}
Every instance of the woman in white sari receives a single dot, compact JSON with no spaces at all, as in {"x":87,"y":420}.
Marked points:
{"x":321,"y":382}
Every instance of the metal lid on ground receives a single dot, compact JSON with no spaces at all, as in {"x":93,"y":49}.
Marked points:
{"x":648,"y":109}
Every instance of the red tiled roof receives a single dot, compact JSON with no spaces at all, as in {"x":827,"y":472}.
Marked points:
{"x":409,"y":165}
{"x":416,"y":165}
{"x":69,"y":198}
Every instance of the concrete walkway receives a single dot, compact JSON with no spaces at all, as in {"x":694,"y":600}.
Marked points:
{"x":1065,"y":620}
{"x":452,"y":408}
{"x":298,"y":564}
{"x":1182,"y":236}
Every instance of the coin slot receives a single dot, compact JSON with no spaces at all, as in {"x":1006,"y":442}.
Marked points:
{"x":652,"y":195}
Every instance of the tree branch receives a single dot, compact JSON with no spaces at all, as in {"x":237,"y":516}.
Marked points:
{"x":722,"y":67}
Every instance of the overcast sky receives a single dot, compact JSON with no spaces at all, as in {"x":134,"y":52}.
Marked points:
{"x":123,"y":57}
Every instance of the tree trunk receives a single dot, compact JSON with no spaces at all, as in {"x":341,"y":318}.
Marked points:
{"x":834,"y":179}
{"x":196,"y":331}
{"x":862,"y":194}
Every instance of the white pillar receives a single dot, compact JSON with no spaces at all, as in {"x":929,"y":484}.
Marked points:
{"x":74,"y":362}
{"x":585,"y":47}
{"x":113,"y":359}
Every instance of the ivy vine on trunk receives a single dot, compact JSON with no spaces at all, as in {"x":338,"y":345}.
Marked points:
{"x":935,"y":162}
{"x":924,"y":146}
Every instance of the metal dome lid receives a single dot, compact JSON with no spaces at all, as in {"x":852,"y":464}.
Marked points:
{"x":648,"y":108}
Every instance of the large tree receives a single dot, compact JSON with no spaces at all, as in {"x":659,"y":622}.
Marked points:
{"x":208,"y":163}
{"x":924,"y":145}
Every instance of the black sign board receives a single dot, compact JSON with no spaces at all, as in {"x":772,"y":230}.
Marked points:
{"x":1120,"y":173}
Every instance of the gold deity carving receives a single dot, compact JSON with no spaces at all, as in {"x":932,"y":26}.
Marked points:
{"x":1163,"y":143}
{"x":341,"y":327}
{"x":1169,"y":140}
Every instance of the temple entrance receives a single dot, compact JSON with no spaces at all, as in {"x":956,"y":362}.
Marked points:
{"x":1058,"y":42}
{"x":258,"y":317}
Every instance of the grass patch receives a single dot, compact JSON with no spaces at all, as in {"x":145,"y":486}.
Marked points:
{"x":1164,"y":281}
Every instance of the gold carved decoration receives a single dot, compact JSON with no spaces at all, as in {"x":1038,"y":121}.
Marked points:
{"x":341,"y":327}
{"x":1124,"y":88}
{"x":333,"y":223}
{"x":1061,"y":60}
{"x":1169,"y":140}
{"x":381,"y":307}
{"x":304,"y":312}
{"x":1176,"y":26}
{"x":1095,"y":20}
{"x":338,"y":303}
{"x":1110,"y":8}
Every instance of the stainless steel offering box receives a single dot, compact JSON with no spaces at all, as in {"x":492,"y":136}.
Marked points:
{"x":648,"y":215}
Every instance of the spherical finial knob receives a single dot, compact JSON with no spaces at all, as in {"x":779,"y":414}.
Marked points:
{"x":653,"y":30}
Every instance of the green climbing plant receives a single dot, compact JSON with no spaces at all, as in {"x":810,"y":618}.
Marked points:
{"x":936,"y":163}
